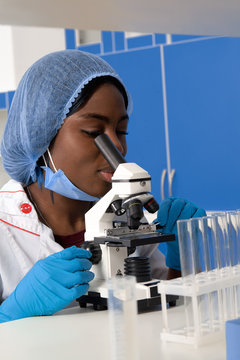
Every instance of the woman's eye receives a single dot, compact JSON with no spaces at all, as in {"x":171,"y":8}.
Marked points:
{"x":95,"y":133}
{"x":121,"y":132}
{"x":92,"y":133}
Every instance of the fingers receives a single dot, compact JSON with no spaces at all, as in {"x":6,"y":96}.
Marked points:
{"x":72,"y":253}
{"x":169,"y":211}
{"x":174,"y":209}
{"x":79,"y":278}
{"x":188,"y":211}
{"x":200,"y":213}
{"x":65,"y":278}
{"x":59,"y":295}
{"x":76,"y":265}
{"x":69,"y":280}
{"x":73,"y":293}
{"x":53,"y":265}
{"x":163,"y":211}
{"x":178,"y":206}
{"x":78,"y":291}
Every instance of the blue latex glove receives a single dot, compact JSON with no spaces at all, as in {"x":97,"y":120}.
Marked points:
{"x":50,"y":285}
{"x":171,"y":210}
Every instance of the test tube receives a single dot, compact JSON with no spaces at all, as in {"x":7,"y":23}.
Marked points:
{"x":122,"y":308}
{"x":199,"y":240}
{"x":193,"y":247}
{"x":194,"y":258}
{"x":226,"y":239}
{"x":233,"y":218}
{"x":220,"y":225}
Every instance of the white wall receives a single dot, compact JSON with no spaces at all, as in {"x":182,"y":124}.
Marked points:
{"x":7,"y":71}
{"x":30,"y":44}
{"x":21,"y":46}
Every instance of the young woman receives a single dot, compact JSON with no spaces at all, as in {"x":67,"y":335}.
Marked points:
{"x":62,"y":103}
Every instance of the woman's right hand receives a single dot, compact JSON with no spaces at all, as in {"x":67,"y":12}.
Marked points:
{"x":50,"y":285}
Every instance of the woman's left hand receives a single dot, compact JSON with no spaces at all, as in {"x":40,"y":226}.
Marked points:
{"x":171,"y":210}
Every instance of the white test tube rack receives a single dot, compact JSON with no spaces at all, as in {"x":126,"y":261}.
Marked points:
{"x":210,"y":282}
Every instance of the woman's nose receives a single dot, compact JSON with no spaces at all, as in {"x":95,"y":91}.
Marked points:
{"x":119,"y":145}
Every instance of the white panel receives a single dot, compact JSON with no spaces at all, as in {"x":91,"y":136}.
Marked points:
{"x":7,"y":73}
{"x":30,"y":44}
{"x":215,"y":17}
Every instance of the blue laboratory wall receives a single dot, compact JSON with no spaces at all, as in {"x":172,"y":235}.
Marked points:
{"x":202,"y":80}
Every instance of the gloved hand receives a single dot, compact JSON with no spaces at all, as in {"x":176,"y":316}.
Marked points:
{"x":50,"y":285}
{"x":171,"y":210}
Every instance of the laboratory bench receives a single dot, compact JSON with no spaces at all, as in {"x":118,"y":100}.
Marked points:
{"x":77,"y":333}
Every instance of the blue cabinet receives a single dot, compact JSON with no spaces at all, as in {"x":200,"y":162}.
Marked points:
{"x":140,"y":69}
{"x":202,"y":79}
{"x":203,"y":98}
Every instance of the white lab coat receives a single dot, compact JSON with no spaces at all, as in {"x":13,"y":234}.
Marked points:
{"x":24,"y":240}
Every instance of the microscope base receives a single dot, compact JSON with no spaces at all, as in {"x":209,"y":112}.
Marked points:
{"x":150,"y":302}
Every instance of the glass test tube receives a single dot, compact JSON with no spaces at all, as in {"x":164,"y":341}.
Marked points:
{"x":233,"y":219}
{"x":191,"y":235}
{"x":200,"y":262}
{"x":193,"y":248}
{"x":122,"y":308}
{"x":222,"y":234}
{"x":227,"y":231}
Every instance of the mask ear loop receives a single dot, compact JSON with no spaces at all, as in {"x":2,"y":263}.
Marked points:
{"x":54,"y":168}
{"x":50,"y":157}
{"x":45,"y":163}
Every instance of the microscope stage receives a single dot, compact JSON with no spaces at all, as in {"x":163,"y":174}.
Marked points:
{"x":133,"y":239}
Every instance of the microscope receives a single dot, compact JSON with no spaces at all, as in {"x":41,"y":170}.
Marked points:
{"x":115,"y":228}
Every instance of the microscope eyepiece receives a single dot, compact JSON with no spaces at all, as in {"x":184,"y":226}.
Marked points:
{"x":109,"y":151}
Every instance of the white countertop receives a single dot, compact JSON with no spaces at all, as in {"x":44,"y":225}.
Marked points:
{"x":83,"y":334}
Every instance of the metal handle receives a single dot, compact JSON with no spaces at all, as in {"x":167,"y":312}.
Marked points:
{"x":164,"y":173}
{"x":171,"y":176}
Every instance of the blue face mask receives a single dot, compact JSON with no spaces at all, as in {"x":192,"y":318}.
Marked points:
{"x":58,"y":182}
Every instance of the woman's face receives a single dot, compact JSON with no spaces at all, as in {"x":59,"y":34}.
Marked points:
{"x":74,"y":150}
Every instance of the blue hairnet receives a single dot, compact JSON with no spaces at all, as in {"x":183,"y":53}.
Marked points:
{"x":41,"y":103}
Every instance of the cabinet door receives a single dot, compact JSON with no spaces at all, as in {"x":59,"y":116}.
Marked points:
{"x":203,"y":97}
{"x":141,"y":71}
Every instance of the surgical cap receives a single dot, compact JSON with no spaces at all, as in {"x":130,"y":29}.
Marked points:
{"x":41,"y":103}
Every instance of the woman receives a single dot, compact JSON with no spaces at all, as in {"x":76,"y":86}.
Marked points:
{"x":62,"y":103}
